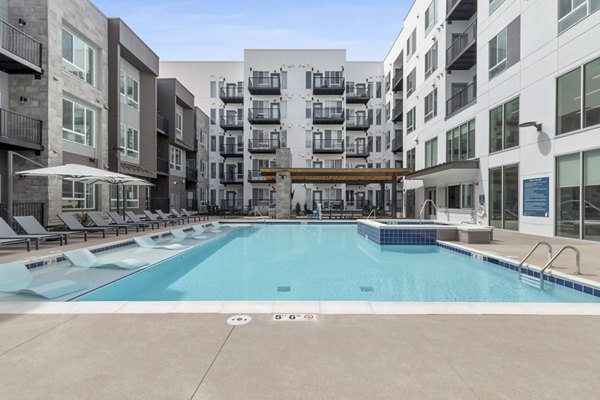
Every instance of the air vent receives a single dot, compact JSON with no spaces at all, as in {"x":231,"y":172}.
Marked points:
{"x":284,"y":288}
{"x":366,"y":288}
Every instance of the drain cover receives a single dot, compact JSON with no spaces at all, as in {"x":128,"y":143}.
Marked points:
{"x":284,"y":288}
{"x":366,"y":288}
{"x":239,"y":320}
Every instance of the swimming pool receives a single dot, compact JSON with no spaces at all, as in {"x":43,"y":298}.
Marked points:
{"x":324,"y":262}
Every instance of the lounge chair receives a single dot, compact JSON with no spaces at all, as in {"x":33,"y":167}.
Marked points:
{"x":148,"y":243}
{"x":99,"y":221}
{"x":197,"y":216}
{"x":6,"y":232}
{"x":162,"y":215}
{"x":198,"y":230}
{"x":117,"y":219}
{"x":216,"y":226}
{"x":186,"y":218}
{"x":180,"y":234}
{"x":155,"y":218}
{"x":8,"y":242}
{"x":86,"y":259}
{"x":134,"y":218}
{"x":33,"y":227}
{"x":16,"y":278}
{"x":73,"y":224}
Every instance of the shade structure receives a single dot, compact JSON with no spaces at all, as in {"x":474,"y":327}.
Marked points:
{"x":85,"y":174}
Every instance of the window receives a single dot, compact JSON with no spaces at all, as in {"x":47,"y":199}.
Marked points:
{"x":387,"y":82}
{"x":386,"y":140}
{"x":122,"y":88}
{"x":213,"y":89}
{"x":203,"y":167}
{"x":176,"y":157}
{"x":78,"y":123}
{"x":129,"y":140}
{"x":410,"y":159}
{"x":213,"y":170}
{"x":498,"y":53}
{"x":213,"y":116}
{"x":213,"y":143}
{"x":77,"y":195}
{"x":460,"y":142}
{"x":504,"y":126}
{"x":179,"y":122}
{"x":431,"y":60}
{"x":128,"y":192}
{"x":431,"y":105}
{"x":411,"y":82}
{"x":79,"y":58}
{"x":203,"y":140}
{"x":378,"y":144}
{"x":504,"y":197}
{"x":411,"y":121}
{"x":570,"y":102}
{"x":388,"y":114}
{"x":378,"y":89}
{"x":572,"y":11}
{"x":430,"y":16}
{"x":133,"y":92}
{"x":378,"y":116}
{"x":411,"y":44}
{"x":431,"y":152}
{"x":494,"y":4}
{"x":308,"y":109}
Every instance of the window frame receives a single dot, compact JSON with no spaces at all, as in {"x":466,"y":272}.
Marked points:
{"x":431,"y":101}
{"x":121,"y":191}
{"x":133,"y":100}
{"x":86,"y":109}
{"x":178,"y":124}
{"x":431,"y":59}
{"x":501,"y":65}
{"x":503,"y":107}
{"x":86,"y":71}
{"x":411,"y":120}
{"x":175,"y":159}
{"x":86,"y":188}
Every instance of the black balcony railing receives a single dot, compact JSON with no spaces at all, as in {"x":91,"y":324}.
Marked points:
{"x":460,"y":10}
{"x":158,"y":203}
{"x":264,"y":116}
{"x":24,"y":47}
{"x":232,"y":205}
{"x":328,"y":115}
{"x":231,"y":149}
{"x":231,"y":177}
{"x":329,"y":204}
{"x":264,"y":85}
{"x":20,"y":132}
{"x":397,"y":82}
{"x":398,"y":112}
{"x":328,"y":145}
{"x":263,"y":145}
{"x":461,"y":99}
{"x":358,"y":149}
{"x":162,"y":166}
{"x":254,"y":175}
{"x":357,"y":94}
{"x":162,"y":124}
{"x":232,"y":94}
{"x":261,"y":204}
{"x":462,"y":53}
{"x":397,"y":144}
{"x":329,"y":84}
{"x":232,"y":123}
{"x":358,"y":123}
{"x":191,"y":175}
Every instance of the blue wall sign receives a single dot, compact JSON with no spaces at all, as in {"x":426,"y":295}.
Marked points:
{"x":536,"y":197}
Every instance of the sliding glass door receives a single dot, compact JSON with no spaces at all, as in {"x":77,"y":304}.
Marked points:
{"x":504,"y":197}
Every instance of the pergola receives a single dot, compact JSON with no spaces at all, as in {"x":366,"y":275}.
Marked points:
{"x":356,"y":176}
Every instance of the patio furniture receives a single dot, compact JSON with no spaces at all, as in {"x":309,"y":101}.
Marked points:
{"x":117,"y":219}
{"x":180,"y":234}
{"x":148,"y":243}
{"x":73,"y":224}
{"x":134,"y":218}
{"x":186,"y":218}
{"x":33,"y":227}
{"x":162,"y":215}
{"x":198,"y":216}
{"x":98,"y":220}
{"x":16,"y":278}
{"x":155,"y":218}
{"x":6,"y":232}
{"x":86,"y":259}
{"x":8,"y":242}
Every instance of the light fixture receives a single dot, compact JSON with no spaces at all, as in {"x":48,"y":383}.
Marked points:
{"x":23,"y":99}
{"x":538,"y":125}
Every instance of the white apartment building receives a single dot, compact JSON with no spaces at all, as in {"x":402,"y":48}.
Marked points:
{"x":493,"y":103}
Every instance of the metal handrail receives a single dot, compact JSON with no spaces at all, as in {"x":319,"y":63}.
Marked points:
{"x":373,"y":211}
{"x":549,"y":263}
{"x":423,"y":208}
{"x":538,"y":244}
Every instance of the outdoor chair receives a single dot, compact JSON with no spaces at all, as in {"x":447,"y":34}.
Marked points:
{"x":162,"y":215}
{"x":86,"y":259}
{"x":186,"y":218}
{"x":180,"y":234}
{"x":16,"y":278}
{"x":198,"y":216}
{"x":73,"y":224}
{"x":117,"y":219}
{"x":9,"y":242}
{"x":33,"y":227}
{"x":99,"y":221}
{"x":148,"y":243}
{"x":6,"y":232}
{"x":134,"y":218}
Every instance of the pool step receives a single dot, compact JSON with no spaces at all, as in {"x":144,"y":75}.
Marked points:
{"x":530,"y":280}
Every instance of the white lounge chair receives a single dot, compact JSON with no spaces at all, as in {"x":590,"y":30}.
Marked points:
{"x":86,"y":259}
{"x":199,"y":230}
{"x":16,"y":278}
{"x":216,"y":226}
{"x":148,"y":243}
{"x":180,"y":234}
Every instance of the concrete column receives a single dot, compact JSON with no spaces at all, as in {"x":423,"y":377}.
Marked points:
{"x":283,"y":190}
{"x":283,"y":158}
{"x":382,"y":198}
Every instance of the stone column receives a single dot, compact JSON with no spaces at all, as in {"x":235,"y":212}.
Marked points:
{"x":283,"y":189}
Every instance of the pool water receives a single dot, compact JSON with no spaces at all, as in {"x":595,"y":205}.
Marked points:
{"x":324,"y":263}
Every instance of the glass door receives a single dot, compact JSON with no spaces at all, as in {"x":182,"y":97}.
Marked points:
{"x":504,"y":197}
{"x":317,"y":198}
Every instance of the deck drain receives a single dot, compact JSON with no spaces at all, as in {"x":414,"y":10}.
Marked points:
{"x":239,"y":320}
{"x":366,"y":288}
{"x":284,"y":288}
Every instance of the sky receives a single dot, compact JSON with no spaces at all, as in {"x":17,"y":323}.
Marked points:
{"x":198,"y":30}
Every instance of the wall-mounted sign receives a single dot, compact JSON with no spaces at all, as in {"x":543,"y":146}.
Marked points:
{"x":536,"y":197}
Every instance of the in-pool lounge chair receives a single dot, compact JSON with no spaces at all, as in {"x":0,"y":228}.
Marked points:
{"x":216,"y":226}
{"x":6,"y":232}
{"x":198,"y":230}
{"x":33,"y":227}
{"x":73,"y":224}
{"x":86,"y":259}
{"x":162,"y":215}
{"x":148,"y":243}
{"x":134,"y":218}
{"x":117,"y":219}
{"x":155,"y":218}
{"x":180,"y":234}
{"x":9,"y":242}
{"x":99,"y":221}
{"x":16,"y":278}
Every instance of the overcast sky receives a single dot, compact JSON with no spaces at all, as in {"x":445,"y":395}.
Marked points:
{"x":221,"y":30}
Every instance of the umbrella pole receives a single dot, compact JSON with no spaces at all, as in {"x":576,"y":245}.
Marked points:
{"x":124,"y":200}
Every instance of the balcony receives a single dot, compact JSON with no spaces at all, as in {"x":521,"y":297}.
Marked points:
{"x":335,"y":85}
{"x":359,"y":94}
{"x":162,"y":125}
{"x":328,"y":146}
{"x":162,"y":166}
{"x":328,"y":116}
{"x":462,"y":53}
{"x":397,"y":82}
{"x":18,"y":132}
{"x":231,"y":150}
{"x":358,"y":123}
{"x":191,"y":175}
{"x":263,"y":145}
{"x":232,"y":94}
{"x":232,"y":123}
{"x":397,"y":144}
{"x":254,"y":176}
{"x":19,"y":52}
{"x":398,"y":111}
{"x":231,"y":178}
{"x":462,"y":99}
{"x":264,"y":85}
{"x":460,"y":10}
{"x":267,"y":116}
{"x":358,"y":149}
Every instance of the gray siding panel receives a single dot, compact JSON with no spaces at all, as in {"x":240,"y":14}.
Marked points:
{"x":513,"y":41}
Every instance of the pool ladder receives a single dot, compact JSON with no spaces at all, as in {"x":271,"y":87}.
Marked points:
{"x":539,"y":281}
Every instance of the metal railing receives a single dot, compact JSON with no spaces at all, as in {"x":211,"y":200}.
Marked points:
{"x":231,"y":92}
{"x":231,"y":148}
{"x":358,"y":149}
{"x":20,"y":44}
{"x":358,"y":121}
{"x":254,"y":175}
{"x":398,"y":76}
{"x":232,"y":121}
{"x":397,"y":143}
{"x":36,"y":210}
{"x":264,"y":82}
{"x":325,"y":145}
{"x":422,"y":211}
{"x":538,"y":244}
{"x":398,"y":112}
{"x":232,"y":205}
{"x":231,"y":177}
{"x":191,"y":174}
{"x":269,"y":145}
{"x":20,"y":128}
{"x":162,"y":124}
{"x":328,"y":113}
{"x":461,"y":43}
{"x":256,"y":114}
{"x":357,"y":92}
{"x":461,"y":99}
{"x":328,"y":82}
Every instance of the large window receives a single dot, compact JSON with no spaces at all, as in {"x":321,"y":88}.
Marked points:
{"x":133,"y":92}
{"x":431,"y":105}
{"x":129,"y":140}
{"x":411,"y":44}
{"x":572,"y":11}
{"x":77,"y":195}
{"x":431,"y":60}
{"x":78,"y":123}
{"x":498,"y":53}
{"x":570,"y":103}
{"x":411,"y":159}
{"x":411,"y":120}
{"x":79,"y":58}
{"x":460,"y":142}
{"x":411,"y":82}
{"x":504,"y":197}
{"x":456,"y":196}
{"x":430,"y":16}
{"x":494,"y":4}
{"x":128,"y":192}
{"x":179,"y":122}
{"x":431,"y":152}
{"x":504,"y":126}
{"x":175,"y":160}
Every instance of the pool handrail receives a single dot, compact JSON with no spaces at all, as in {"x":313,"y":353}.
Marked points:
{"x":421,"y":212}
{"x":538,"y":244}
{"x":549,"y":263}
